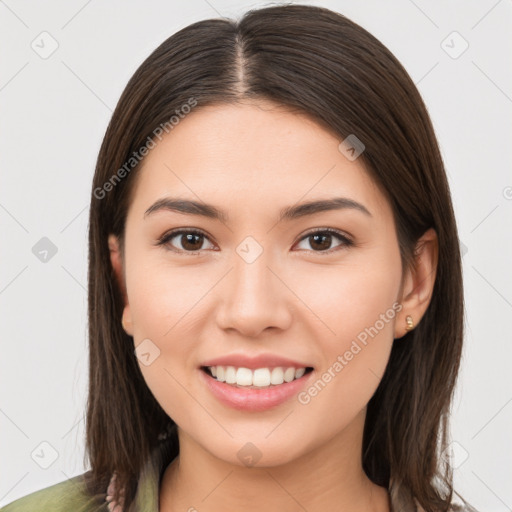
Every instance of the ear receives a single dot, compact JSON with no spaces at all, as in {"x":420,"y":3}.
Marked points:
{"x":117,"y":266}
{"x":418,"y":282}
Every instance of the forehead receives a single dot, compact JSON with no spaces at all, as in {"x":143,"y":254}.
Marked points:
{"x":252,"y":156}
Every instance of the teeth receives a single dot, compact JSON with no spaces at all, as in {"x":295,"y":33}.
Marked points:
{"x":299,"y":372}
{"x":244,"y":377}
{"x":230,"y":375}
{"x":261,"y":377}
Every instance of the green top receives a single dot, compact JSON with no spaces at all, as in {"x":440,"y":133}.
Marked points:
{"x":71,"y":496}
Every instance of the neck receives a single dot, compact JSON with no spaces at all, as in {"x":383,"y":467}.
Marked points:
{"x":329,"y":477}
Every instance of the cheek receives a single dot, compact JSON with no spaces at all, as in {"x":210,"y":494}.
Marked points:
{"x":351,"y":297}
{"x":358,"y":308}
{"x":163,"y":305}
{"x":163,"y":299}
{"x":162,"y":326}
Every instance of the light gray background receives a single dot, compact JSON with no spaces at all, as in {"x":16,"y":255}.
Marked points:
{"x":54,"y":112}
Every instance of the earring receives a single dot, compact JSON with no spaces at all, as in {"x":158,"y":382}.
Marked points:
{"x":409,"y":324}
{"x":167,"y":432}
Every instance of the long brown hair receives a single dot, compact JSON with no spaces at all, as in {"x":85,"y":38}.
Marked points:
{"x":317,"y":62}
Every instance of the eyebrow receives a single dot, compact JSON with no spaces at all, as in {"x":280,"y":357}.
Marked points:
{"x":187,"y":206}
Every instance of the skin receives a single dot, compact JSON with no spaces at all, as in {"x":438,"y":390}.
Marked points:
{"x":251,"y":160}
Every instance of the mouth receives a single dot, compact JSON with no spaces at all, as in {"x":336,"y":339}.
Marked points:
{"x":255,"y":390}
{"x":259,"y":378}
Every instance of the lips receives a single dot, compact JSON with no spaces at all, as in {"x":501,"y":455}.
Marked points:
{"x":276,"y":379}
{"x":250,"y":399}
{"x":254,"y":362}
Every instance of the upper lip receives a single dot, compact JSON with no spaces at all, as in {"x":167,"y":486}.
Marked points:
{"x":254,"y":362}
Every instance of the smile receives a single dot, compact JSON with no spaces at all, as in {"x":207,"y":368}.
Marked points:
{"x":257,"y":378}
{"x":250,"y":397}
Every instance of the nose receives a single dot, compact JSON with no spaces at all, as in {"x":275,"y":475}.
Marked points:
{"x":254,"y":298}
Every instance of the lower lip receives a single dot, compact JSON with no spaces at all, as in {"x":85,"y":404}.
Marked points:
{"x":251,"y":399}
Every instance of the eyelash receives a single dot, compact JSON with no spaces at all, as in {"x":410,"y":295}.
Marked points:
{"x":346,"y":242}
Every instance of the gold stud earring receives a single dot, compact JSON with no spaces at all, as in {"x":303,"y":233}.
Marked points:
{"x":409,"y":324}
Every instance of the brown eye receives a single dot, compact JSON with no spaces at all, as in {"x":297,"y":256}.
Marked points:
{"x":187,"y":240}
{"x":191,"y":241}
{"x":321,"y":240}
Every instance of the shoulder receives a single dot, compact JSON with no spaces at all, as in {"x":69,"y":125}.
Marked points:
{"x":69,"y":495}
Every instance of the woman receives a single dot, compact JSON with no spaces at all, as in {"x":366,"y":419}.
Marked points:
{"x":275,"y":289}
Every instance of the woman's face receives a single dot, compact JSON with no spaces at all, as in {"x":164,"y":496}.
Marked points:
{"x":256,"y":282}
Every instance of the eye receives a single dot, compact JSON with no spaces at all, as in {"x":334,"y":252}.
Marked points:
{"x":191,"y":240}
{"x":322,"y":239}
